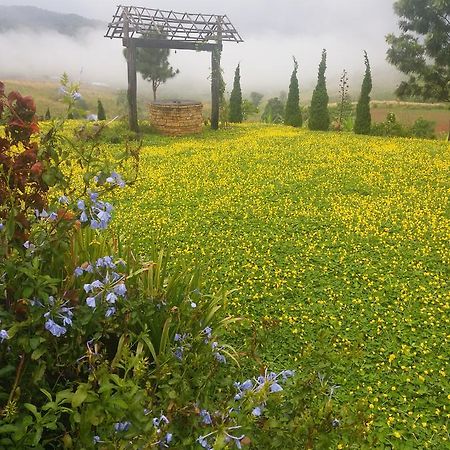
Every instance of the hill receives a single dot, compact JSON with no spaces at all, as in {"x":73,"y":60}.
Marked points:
{"x":37,"y":19}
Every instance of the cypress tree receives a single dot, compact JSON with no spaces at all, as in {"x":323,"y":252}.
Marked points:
{"x":319,"y":117}
{"x":293,"y":115}
{"x":100,"y":111}
{"x":47,"y":114}
{"x":236,"y":98}
{"x":363,"y":119}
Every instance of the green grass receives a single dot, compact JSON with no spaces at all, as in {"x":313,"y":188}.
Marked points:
{"x":337,"y":246}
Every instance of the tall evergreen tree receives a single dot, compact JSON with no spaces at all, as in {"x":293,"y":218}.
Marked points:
{"x":293,"y":115}
{"x":101,"y":115}
{"x":363,"y":119}
{"x":47,"y":114}
{"x":236,"y":98}
{"x":319,"y":117}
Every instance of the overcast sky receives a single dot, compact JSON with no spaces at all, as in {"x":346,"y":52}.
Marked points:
{"x":273,"y":32}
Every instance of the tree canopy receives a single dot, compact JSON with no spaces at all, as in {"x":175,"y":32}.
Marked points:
{"x":422,"y":50}
{"x":153,"y":64}
{"x":319,"y":117}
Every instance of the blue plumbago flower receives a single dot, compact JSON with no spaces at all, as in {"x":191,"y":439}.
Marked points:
{"x":275,"y":387}
{"x":220,"y":358}
{"x":76,"y":96}
{"x":97,"y":440}
{"x":203,"y":441}
{"x":180,"y":337}
{"x":193,"y":305}
{"x":54,"y":328}
{"x":115,"y":179}
{"x":64,"y":314}
{"x":272,"y":380}
{"x":257,"y":412}
{"x":208,"y":332}
{"x":120,"y":427}
{"x":29,"y":246}
{"x":91,"y":302}
{"x":206,"y":417}
{"x":110,"y":312}
{"x":335,"y":423}
{"x":3,"y":335}
{"x":110,"y":288}
{"x":161,"y":420}
{"x":98,"y":213}
{"x":120,"y":289}
{"x":237,"y":439}
{"x":179,"y":353}
{"x":1,"y":226}
{"x":63,"y":200}
{"x":168,"y":438}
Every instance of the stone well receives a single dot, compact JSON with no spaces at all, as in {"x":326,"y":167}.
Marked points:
{"x":176,"y":118}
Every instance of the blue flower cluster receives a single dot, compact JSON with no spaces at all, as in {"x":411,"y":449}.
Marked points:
{"x":3,"y":335}
{"x":52,"y":216}
{"x":63,"y":314}
{"x":115,"y":180}
{"x":270,"y":380}
{"x":179,"y":351}
{"x":110,"y":285}
{"x":214,"y":345}
{"x":97,"y":213}
{"x":158,"y":423}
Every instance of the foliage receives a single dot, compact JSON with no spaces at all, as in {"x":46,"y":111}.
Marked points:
{"x":422,"y":49}
{"x":256,"y":98}
{"x":101,"y":348}
{"x":421,"y":128}
{"x":235,"y":113}
{"x":71,"y":97}
{"x":360,"y":214}
{"x":101,"y":115}
{"x":248,"y":109}
{"x":363,"y":118}
{"x":319,"y":118}
{"x":273,"y":111}
{"x":345,"y":106}
{"x":293,"y":115}
{"x":153,"y":64}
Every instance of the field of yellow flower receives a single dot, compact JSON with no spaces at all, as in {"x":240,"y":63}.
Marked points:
{"x":337,"y":246}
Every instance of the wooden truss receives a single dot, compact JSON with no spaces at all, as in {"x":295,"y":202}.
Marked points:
{"x":143,"y":27}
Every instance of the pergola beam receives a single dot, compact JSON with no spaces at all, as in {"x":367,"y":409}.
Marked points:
{"x":174,"y":45}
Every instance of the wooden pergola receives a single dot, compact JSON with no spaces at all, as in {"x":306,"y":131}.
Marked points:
{"x":156,"y":28}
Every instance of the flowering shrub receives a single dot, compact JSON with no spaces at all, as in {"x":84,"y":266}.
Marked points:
{"x":101,"y":350}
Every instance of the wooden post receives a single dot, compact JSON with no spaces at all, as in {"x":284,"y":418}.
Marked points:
{"x":216,"y":78}
{"x":132,"y":76}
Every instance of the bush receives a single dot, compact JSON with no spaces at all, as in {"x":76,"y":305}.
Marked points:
{"x":390,"y":127}
{"x":273,"y":111}
{"x":423,"y":129}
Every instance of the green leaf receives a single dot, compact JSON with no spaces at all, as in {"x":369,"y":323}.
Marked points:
{"x":38,"y":353}
{"x":80,"y":395}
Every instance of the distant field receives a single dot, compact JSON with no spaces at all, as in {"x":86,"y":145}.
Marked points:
{"x":408,"y":113}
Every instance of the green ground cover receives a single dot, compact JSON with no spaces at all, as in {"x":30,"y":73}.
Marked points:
{"x":337,"y":246}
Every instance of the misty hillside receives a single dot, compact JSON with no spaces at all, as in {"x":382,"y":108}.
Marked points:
{"x":37,"y":19}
